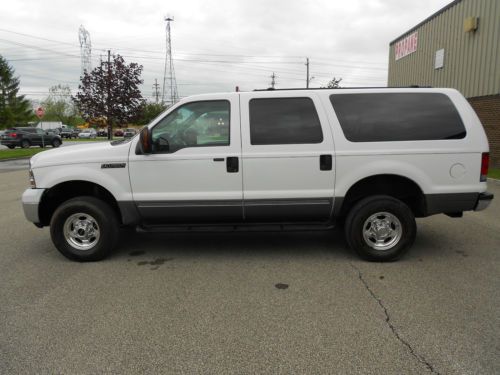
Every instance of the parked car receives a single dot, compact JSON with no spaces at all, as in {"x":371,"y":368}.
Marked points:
{"x":373,"y":159}
{"x":87,"y":133}
{"x":76,"y":131}
{"x":68,"y":132}
{"x":118,"y":133}
{"x":102,"y":132}
{"x":26,"y":137}
{"x":129,"y":133}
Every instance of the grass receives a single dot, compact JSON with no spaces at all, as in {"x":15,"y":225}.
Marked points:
{"x":17,"y":153}
{"x":98,"y":139}
{"x":494,"y":173}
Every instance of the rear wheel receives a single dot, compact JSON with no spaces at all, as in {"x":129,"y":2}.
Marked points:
{"x":380,"y":228}
{"x":25,"y":143}
{"x":84,"y":229}
{"x":11,"y":146}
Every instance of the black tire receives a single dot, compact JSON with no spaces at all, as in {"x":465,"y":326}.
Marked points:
{"x":11,"y":146}
{"x":56,"y":143}
{"x":104,"y":218}
{"x":380,"y":209}
{"x":25,"y":143}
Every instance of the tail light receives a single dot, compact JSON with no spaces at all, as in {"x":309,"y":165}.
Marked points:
{"x":13,"y":135}
{"x":485,"y":161}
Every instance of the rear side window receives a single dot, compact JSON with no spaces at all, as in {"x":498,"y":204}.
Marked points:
{"x":397,"y":117}
{"x":275,"y":121}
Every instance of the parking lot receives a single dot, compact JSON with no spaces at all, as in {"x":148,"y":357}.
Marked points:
{"x":251,"y":302}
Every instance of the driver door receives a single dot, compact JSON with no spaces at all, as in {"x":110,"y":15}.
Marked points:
{"x":194,"y":173}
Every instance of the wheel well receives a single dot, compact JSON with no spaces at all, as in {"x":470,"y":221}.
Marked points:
{"x":399,"y":187}
{"x":62,"y":192}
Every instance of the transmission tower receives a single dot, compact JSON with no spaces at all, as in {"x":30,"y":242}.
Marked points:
{"x":85,"y":50}
{"x":273,"y":80}
{"x":156,"y":92}
{"x":169,"y":77}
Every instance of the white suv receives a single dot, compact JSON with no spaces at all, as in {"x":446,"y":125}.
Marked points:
{"x":372,"y":159}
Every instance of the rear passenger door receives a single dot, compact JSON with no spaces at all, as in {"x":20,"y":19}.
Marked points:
{"x":287,"y":157}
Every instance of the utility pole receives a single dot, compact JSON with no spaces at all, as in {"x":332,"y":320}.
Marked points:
{"x":273,"y":80}
{"x":108,"y":101}
{"x":156,"y":93}
{"x":307,"y":72}
{"x":174,"y":96}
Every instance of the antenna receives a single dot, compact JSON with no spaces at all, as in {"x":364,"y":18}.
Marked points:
{"x":85,"y":50}
{"x":169,"y":64}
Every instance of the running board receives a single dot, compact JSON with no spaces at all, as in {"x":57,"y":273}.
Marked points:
{"x":236,"y":227}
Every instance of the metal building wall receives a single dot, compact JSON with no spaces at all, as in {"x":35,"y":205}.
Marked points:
{"x":471,"y":59}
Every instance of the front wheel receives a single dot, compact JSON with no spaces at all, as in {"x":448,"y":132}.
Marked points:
{"x":380,"y":228}
{"x":56,"y":143}
{"x":84,"y":229}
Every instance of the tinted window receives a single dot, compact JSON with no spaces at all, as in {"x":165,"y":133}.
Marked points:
{"x":284,"y":121}
{"x":194,"y":124}
{"x":397,"y":117}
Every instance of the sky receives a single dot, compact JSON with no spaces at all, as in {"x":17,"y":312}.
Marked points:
{"x":216,"y":45}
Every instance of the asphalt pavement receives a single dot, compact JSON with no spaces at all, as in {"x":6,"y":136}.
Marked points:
{"x":224,"y":303}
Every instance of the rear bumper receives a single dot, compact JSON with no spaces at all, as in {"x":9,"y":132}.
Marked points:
{"x":10,"y":142}
{"x":31,"y":201}
{"x":483,"y":201}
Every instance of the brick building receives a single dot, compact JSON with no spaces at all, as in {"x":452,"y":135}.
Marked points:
{"x":459,"y":47}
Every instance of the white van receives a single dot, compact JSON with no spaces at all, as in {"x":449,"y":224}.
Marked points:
{"x":373,"y":159}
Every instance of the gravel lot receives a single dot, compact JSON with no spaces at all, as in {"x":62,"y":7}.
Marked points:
{"x":251,"y":302}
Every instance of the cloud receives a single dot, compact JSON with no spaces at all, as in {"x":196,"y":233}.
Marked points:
{"x":247,"y":40}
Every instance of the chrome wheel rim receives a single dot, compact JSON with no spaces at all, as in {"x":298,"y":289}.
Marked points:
{"x":81,"y":231}
{"x":382,"y":231}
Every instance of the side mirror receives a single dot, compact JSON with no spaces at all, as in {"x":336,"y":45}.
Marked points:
{"x":145,"y":141}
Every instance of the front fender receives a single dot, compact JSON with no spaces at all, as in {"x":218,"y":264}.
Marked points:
{"x":115,"y":180}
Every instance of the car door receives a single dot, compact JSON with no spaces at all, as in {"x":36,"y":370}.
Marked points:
{"x":34,"y":135}
{"x":287,"y":156}
{"x":193,"y":174}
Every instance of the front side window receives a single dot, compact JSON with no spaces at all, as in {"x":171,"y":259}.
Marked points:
{"x":275,"y":121}
{"x":197,"y":124}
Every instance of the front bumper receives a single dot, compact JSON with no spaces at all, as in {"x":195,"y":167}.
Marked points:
{"x":483,"y":201}
{"x":31,"y":200}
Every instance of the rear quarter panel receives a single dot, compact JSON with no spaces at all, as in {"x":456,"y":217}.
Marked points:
{"x":438,"y":166}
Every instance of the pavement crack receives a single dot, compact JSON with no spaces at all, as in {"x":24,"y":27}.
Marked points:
{"x":393,"y":329}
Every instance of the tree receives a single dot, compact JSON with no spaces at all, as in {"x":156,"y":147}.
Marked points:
{"x":149,"y":111}
{"x":111,"y":91}
{"x":60,"y":107}
{"x":333,"y":84}
{"x":14,"y":108}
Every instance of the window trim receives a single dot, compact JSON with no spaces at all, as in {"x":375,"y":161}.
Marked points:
{"x":284,"y":144}
{"x":197,"y":146}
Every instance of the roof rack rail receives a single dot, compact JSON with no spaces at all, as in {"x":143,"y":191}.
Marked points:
{"x":346,"y":88}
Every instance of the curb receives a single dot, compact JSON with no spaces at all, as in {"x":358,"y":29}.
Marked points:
{"x":12,"y":159}
{"x":494,"y":180}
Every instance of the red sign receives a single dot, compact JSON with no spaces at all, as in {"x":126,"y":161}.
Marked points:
{"x":40,"y":112}
{"x":406,"y":46}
